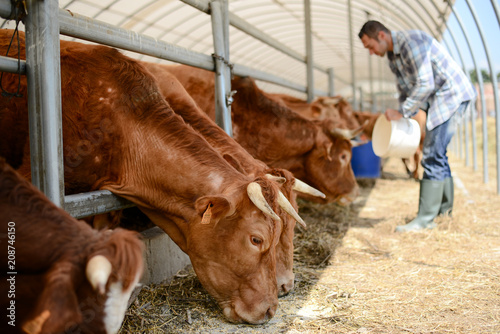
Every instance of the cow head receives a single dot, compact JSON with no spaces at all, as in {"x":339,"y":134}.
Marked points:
{"x":324,"y":107}
{"x":328,"y":166}
{"x":284,"y":250}
{"x":91,"y":298}
{"x":232,"y":248}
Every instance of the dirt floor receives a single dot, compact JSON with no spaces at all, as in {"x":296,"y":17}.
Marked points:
{"x":354,"y":274}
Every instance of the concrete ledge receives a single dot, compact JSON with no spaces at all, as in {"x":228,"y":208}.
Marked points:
{"x":162,"y":259}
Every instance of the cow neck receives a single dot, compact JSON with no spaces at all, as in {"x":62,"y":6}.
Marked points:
{"x":278,"y":134}
{"x":232,"y":152}
{"x":166,"y":166}
{"x":22,"y":199}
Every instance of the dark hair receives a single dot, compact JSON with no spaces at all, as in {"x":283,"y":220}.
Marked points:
{"x":372,"y":28}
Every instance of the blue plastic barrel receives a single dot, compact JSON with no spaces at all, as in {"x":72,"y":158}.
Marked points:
{"x":364,"y":162}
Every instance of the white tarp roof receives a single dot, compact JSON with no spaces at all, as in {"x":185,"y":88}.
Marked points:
{"x":181,"y":24}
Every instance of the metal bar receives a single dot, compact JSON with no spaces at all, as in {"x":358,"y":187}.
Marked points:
{"x":222,"y":115}
{"x":361,"y":97}
{"x":244,"y":71}
{"x":309,"y":51}
{"x":11,"y":65}
{"x":460,"y":141}
{"x":227,"y":70}
{"x":469,"y":110}
{"x":79,"y":26}
{"x":370,"y":71}
{"x":483,"y":98}
{"x":246,"y":27}
{"x":331,"y":83}
{"x":201,"y":5}
{"x":496,"y":9}
{"x":93,"y":203}
{"x":494,"y":84}
{"x":351,"y":47}
{"x":44,"y":98}
{"x":464,"y":124}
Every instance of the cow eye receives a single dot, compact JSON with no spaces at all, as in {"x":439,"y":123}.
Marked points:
{"x":345,"y":157}
{"x":256,"y":241}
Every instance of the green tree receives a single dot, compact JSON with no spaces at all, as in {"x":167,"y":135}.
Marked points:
{"x":485,"y":74}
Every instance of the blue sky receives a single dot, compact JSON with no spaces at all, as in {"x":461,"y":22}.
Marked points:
{"x":490,"y":28}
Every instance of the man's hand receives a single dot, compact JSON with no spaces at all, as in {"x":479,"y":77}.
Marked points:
{"x":392,"y":114}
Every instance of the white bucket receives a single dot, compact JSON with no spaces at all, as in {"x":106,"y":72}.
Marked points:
{"x":398,"y":139}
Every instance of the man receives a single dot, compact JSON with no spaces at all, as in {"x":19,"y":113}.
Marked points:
{"x":429,"y":79}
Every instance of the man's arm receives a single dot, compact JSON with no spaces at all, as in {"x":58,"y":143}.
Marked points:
{"x":417,"y":60}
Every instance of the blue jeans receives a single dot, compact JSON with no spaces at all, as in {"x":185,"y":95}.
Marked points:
{"x":434,"y":159}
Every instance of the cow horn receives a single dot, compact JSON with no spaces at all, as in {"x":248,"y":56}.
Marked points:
{"x":332,"y":100}
{"x":304,"y":188}
{"x":287,"y":206}
{"x":35,"y":326}
{"x":98,"y":271}
{"x":356,"y":143}
{"x":349,"y":134}
{"x":277,"y":179}
{"x":254,"y":191}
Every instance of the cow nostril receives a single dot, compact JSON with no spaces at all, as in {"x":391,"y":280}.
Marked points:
{"x":270,"y":313}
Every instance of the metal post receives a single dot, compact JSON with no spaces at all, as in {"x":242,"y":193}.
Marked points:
{"x":374,"y":103}
{"x":483,"y":102}
{"x":309,"y":51}
{"x":370,"y":71}
{"x":351,"y":44}
{"x":464,"y":124}
{"x":222,"y":115}
{"x":460,"y":141}
{"x":44,"y":98}
{"x":331,"y":84}
{"x":495,"y":91}
{"x":497,"y":10}
{"x":228,"y":71}
{"x":466,"y":135}
{"x":361,"y":97}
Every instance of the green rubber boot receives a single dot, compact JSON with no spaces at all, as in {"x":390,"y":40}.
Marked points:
{"x":430,"y":198}
{"x":448,"y":194}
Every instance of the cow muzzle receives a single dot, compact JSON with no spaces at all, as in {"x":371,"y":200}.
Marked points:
{"x":260,"y":314}
{"x":285,"y":285}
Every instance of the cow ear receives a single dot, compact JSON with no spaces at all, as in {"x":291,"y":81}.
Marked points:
{"x":56,"y":310}
{"x":316,"y":112}
{"x":327,"y":149}
{"x":212,"y":208}
{"x":233,"y":162}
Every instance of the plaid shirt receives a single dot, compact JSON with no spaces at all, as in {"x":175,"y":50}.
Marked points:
{"x":426,"y":73}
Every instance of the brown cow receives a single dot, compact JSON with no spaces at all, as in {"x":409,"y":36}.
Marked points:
{"x":278,"y":136}
{"x":121,"y":135}
{"x":184,"y":105}
{"x":58,"y":274}
{"x":334,"y":108}
{"x":370,"y":119}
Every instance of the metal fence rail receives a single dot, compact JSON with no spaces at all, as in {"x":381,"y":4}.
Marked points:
{"x":78,"y":26}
